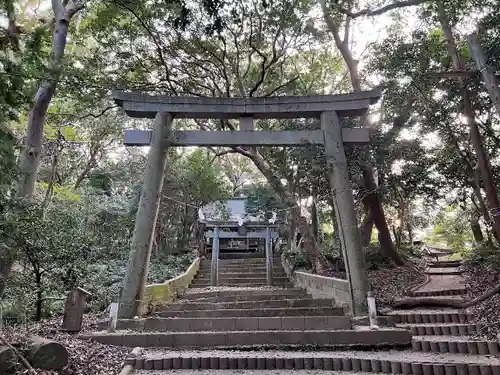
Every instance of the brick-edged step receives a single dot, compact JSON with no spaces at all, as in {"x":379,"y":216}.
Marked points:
{"x":443,"y":329}
{"x":253,"y":294}
{"x":299,"y":302}
{"x":440,"y":292}
{"x":294,"y":311}
{"x":234,"y":324}
{"x":403,"y":362}
{"x":443,"y":271}
{"x":260,"y":339}
{"x":231,"y":371}
{"x":429,"y":316}
{"x":453,"y":344}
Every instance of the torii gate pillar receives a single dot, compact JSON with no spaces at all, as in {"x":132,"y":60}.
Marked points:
{"x":345,"y":213}
{"x":140,"y":247}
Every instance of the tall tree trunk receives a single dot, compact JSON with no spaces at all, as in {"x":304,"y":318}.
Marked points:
{"x":372,"y":197}
{"x":409,"y":229}
{"x":30,"y":155}
{"x":476,"y":231}
{"x":468,"y":111}
{"x":490,"y":80}
{"x":39,"y":296}
{"x":314,"y":219}
{"x":384,"y":235}
{"x":91,"y":163}
{"x":367,"y":228}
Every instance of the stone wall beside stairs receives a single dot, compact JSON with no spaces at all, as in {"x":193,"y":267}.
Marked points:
{"x":320,"y":286}
{"x":164,"y":293}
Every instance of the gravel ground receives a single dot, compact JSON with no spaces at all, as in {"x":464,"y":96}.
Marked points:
{"x":479,"y":280}
{"x":86,"y":357}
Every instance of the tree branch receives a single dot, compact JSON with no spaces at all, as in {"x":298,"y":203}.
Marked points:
{"x":155,"y":41}
{"x":99,"y":114}
{"x":277,"y":88}
{"x":25,"y":362}
{"x":376,"y":12}
{"x":221,"y":153}
{"x":73,"y":8}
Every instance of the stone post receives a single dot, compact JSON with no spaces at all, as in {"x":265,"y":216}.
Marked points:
{"x":344,"y":212}
{"x":74,"y":309}
{"x":214,"y":270}
{"x":269,"y":257}
{"x":145,"y":220}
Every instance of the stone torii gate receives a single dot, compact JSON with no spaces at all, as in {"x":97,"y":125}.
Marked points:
{"x":165,"y":108}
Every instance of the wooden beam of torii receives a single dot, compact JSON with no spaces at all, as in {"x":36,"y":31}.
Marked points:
{"x":164,"y":109}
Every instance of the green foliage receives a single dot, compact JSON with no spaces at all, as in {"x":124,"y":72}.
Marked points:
{"x":296,"y":259}
{"x":485,"y":255}
{"x":262,"y":199}
{"x":52,"y":248}
{"x":452,"y":227}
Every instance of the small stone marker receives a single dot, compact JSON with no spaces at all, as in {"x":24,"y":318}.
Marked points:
{"x":74,"y":309}
{"x":372,"y":311}
{"x":113,"y":314}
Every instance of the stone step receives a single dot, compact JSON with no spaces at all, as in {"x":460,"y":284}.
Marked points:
{"x":443,"y":271}
{"x":241,"y":276}
{"x":396,"y":362}
{"x":454,"y":344}
{"x":429,"y":316}
{"x":252,"y":339}
{"x":440,"y":292}
{"x":246,"y":285}
{"x":457,"y":298}
{"x":240,"y":255}
{"x":441,"y":329}
{"x":445,"y":263}
{"x":241,"y":280}
{"x":294,"y":311}
{"x":243,"y":271}
{"x":247,"y":298}
{"x":254,"y":259}
{"x":239,"y":266}
{"x":301,"y":302}
{"x":249,"y":294}
{"x":234,"y":324}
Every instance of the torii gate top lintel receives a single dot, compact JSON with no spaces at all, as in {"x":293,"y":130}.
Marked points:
{"x":140,"y":105}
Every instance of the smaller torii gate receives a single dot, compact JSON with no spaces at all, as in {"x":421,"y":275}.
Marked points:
{"x":165,"y":108}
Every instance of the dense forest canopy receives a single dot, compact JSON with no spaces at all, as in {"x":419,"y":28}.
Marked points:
{"x":69,"y":190}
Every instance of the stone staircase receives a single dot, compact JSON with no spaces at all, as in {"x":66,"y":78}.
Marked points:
{"x":249,"y":326}
{"x":245,"y":272}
